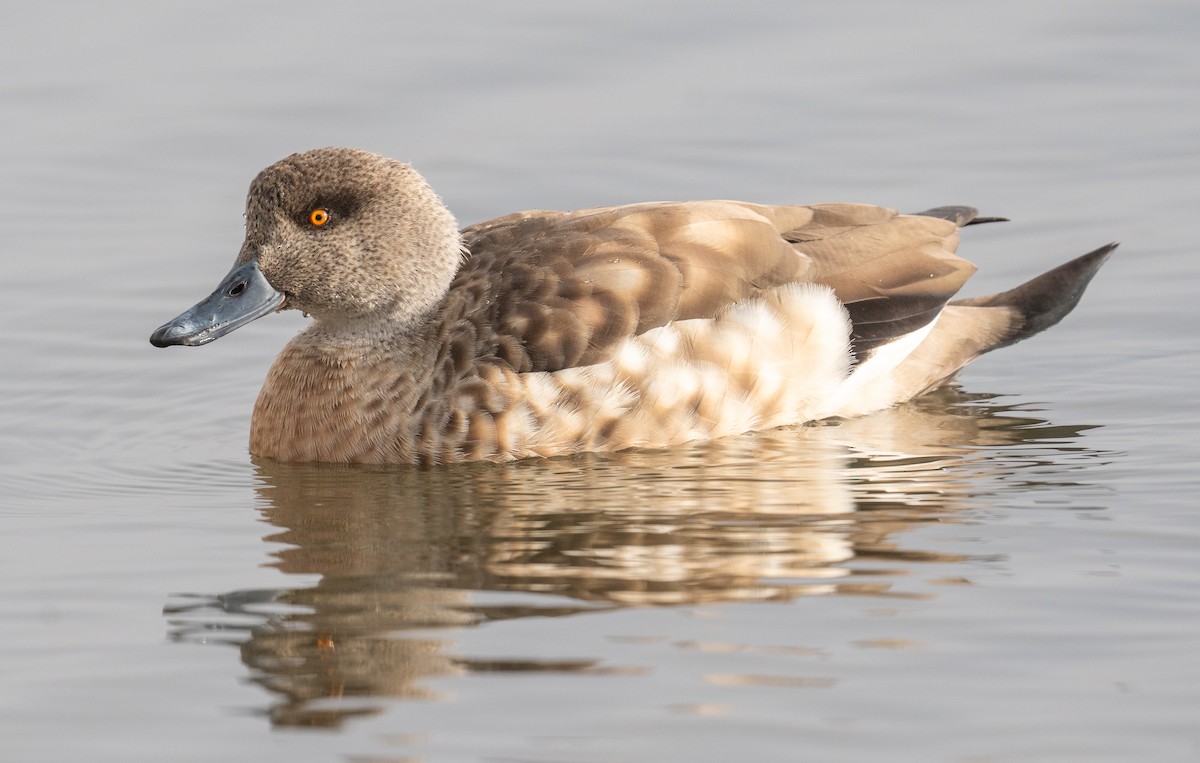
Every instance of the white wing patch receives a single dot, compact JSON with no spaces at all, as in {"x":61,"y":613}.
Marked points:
{"x":873,"y":385}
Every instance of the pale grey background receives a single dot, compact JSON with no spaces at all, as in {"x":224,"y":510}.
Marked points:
{"x":1027,"y":595}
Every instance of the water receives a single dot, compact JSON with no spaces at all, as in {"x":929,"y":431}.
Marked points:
{"x":1005,"y":570}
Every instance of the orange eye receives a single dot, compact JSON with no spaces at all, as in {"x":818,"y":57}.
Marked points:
{"x":318,"y":217}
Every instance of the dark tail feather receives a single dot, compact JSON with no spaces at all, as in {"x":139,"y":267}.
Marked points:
{"x":960,"y":216}
{"x":1045,"y":300}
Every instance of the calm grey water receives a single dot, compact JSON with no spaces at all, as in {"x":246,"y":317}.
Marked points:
{"x":1006,"y":570}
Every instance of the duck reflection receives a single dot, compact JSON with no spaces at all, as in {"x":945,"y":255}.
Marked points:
{"x":405,"y":556}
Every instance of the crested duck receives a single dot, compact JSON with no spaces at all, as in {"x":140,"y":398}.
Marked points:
{"x":547,"y":333}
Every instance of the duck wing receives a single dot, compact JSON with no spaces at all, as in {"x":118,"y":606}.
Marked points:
{"x":546,"y":290}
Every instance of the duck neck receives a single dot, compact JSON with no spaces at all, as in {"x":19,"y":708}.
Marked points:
{"x":343,"y":392}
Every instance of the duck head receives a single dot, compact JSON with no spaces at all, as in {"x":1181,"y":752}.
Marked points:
{"x":353,"y":238}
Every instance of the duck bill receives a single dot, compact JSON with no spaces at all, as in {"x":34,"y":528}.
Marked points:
{"x":244,"y":295}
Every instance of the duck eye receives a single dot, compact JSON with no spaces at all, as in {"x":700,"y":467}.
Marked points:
{"x":318,"y":217}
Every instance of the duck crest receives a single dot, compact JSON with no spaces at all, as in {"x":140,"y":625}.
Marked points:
{"x":646,"y":325}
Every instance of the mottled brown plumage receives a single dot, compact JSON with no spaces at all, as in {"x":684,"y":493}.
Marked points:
{"x":543,"y":333}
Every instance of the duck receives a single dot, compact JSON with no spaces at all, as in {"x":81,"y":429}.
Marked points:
{"x":548,"y":333}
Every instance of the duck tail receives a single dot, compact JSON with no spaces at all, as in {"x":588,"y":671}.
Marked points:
{"x":1045,"y":300}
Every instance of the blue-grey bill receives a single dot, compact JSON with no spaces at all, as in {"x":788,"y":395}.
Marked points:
{"x":243,"y":296}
